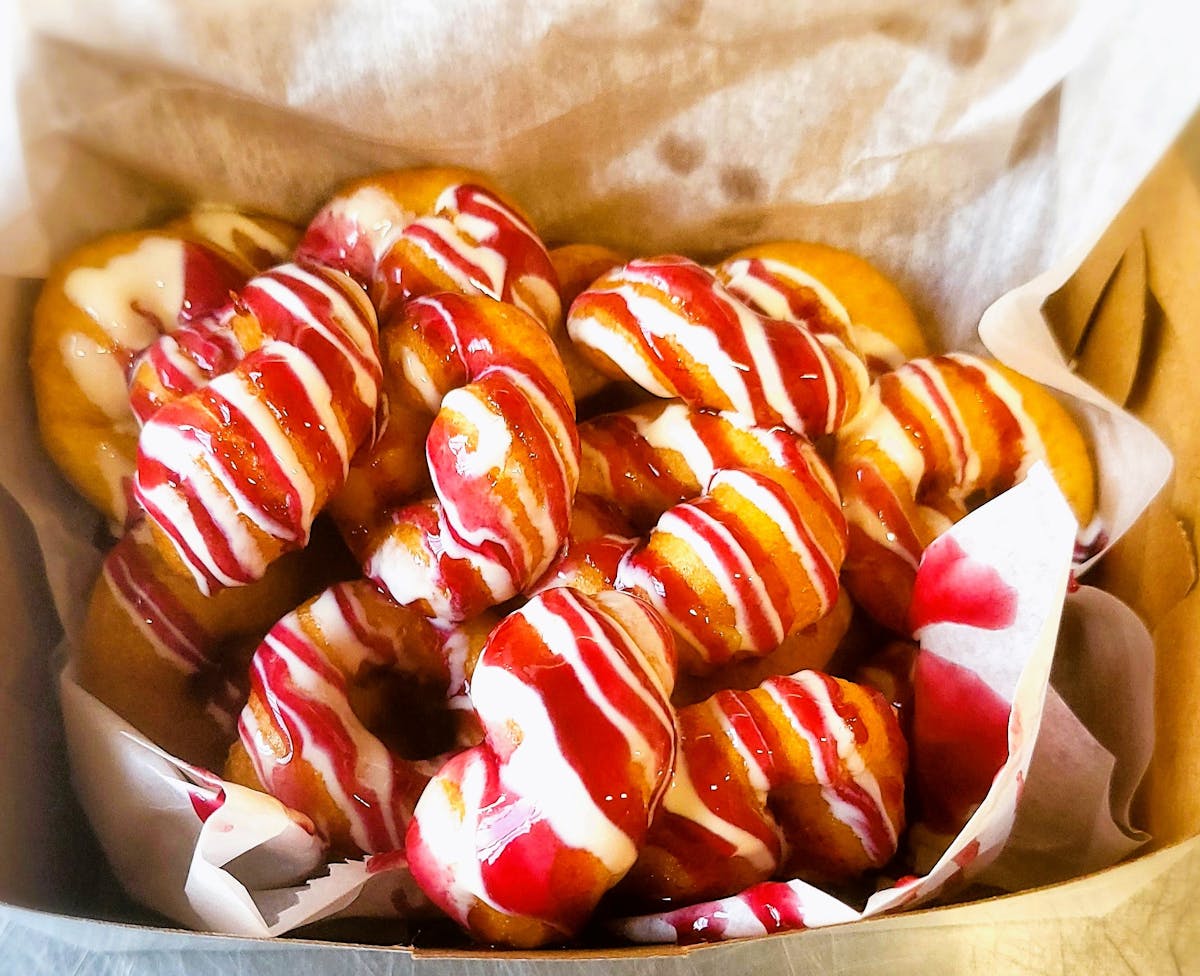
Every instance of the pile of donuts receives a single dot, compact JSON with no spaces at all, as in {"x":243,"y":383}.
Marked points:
{"x":521,"y":562}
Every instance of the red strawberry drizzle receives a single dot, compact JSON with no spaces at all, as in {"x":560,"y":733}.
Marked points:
{"x":205,"y":802}
{"x":208,"y":280}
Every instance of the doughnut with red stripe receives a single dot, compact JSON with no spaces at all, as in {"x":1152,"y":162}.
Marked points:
{"x":831,"y":291}
{"x":744,"y":536}
{"x":802,"y":777}
{"x":330,"y":679}
{"x":936,"y":437}
{"x":232,"y":474}
{"x":671,"y":327}
{"x":413,"y":232}
{"x":518,"y":838}
{"x":108,"y":302}
{"x":502,"y":454}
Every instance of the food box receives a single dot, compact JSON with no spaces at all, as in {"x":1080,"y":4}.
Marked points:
{"x":1121,"y":293}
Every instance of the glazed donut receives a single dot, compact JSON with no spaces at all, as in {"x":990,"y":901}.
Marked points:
{"x":518,"y":838}
{"x":831,"y":291}
{"x":325,"y":683}
{"x":502,"y":455}
{"x":167,"y":658}
{"x":107,"y":302}
{"x":413,"y":232}
{"x":232,"y":474}
{"x":745,"y":534}
{"x":801,"y":778}
{"x":671,"y":327}
{"x":937,"y":437}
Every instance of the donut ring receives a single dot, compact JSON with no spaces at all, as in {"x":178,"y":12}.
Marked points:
{"x":232,"y":474}
{"x":324,"y":676}
{"x":104,"y":304}
{"x":518,"y":838}
{"x":164,"y":657}
{"x":802,"y":777}
{"x":937,"y":437}
{"x":745,"y":534}
{"x":833,"y":291}
{"x":671,"y":327}
{"x":414,"y":232}
{"x":502,"y":454}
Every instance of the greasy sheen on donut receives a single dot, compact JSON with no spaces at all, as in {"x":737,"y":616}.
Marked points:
{"x":165,"y":657}
{"x":744,"y":534}
{"x":502,"y":453}
{"x":937,"y":437}
{"x":802,"y":777}
{"x":831,"y":291}
{"x":517,"y":839}
{"x":106,"y":303}
{"x":232,"y":474}
{"x":323,"y":685}
{"x":409,"y":233}
{"x":671,"y":327}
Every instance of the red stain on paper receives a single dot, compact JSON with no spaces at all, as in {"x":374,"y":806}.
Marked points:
{"x":959,"y":740}
{"x":952,"y":587}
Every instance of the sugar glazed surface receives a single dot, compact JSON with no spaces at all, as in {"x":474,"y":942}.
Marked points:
{"x":521,"y":565}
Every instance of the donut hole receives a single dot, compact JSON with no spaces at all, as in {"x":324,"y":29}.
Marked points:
{"x":408,"y":715}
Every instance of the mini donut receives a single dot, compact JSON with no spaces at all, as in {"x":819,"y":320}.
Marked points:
{"x":502,"y":455}
{"x":408,"y":233}
{"x":744,"y":535}
{"x":937,"y":437}
{"x":832,"y":291}
{"x":518,"y":838}
{"x":103,"y":305}
{"x":325,"y":684}
{"x":232,"y":474}
{"x":671,"y":327}
{"x":168,"y":659}
{"x":802,"y":777}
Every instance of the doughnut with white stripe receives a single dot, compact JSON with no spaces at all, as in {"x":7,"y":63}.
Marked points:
{"x":671,"y":327}
{"x":830,"y":290}
{"x":169,"y":660}
{"x":99,"y":309}
{"x":233,"y":473}
{"x":502,"y":453}
{"x":321,"y":693}
{"x":408,"y":233}
{"x":935,"y":438}
{"x":517,"y":839}
{"x":803,"y":777}
{"x":744,"y":536}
